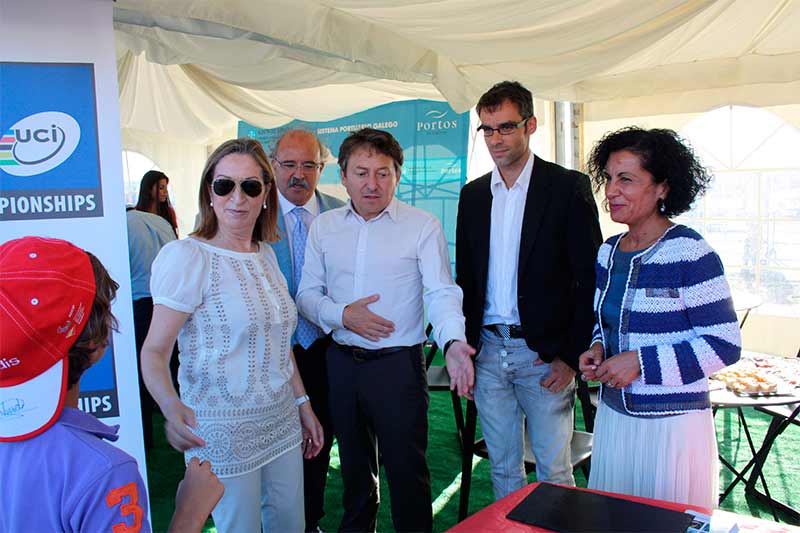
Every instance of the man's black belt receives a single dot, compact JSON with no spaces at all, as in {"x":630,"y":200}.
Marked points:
{"x":506,"y":331}
{"x":366,"y":354}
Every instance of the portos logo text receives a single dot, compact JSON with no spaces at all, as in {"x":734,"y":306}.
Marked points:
{"x":435,"y":122}
{"x":38,"y":143}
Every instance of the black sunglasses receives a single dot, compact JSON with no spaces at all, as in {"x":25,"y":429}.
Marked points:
{"x":224,"y":186}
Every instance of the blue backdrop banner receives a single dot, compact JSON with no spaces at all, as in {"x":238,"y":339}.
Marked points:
{"x":434,"y":140}
{"x":98,"y":390}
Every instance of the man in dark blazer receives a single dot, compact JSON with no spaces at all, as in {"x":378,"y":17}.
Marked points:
{"x":526,"y":241}
{"x":298,"y":159}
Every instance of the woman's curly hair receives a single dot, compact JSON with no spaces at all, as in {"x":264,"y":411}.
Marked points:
{"x":663,"y":154}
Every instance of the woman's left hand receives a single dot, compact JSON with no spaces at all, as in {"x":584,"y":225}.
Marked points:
{"x":619,"y":371}
{"x":313,"y":437}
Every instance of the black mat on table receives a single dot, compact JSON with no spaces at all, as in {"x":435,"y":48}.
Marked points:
{"x":569,"y":510}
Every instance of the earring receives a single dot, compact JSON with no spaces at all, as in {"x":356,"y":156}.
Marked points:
{"x":265,"y":205}
{"x":211,"y":203}
{"x":662,"y":208}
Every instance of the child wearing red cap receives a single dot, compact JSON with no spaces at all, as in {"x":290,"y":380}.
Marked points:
{"x":58,"y":473}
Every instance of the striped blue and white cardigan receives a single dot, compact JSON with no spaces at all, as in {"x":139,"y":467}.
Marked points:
{"x":677,"y":313}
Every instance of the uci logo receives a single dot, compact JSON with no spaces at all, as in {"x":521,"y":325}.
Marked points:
{"x":38,"y":143}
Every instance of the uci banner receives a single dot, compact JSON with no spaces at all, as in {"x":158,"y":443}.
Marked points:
{"x":435,"y":144}
{"x":61,"y":169}
{"x":49,"y":165}
{"x":50,"y":169}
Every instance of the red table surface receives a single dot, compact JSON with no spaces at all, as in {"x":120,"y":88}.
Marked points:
{"x":493,"y":517}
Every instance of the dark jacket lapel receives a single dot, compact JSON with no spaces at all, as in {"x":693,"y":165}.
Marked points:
{"x":481,"y":229}
{"x":535,"y":208}
{"x":327,"y":202}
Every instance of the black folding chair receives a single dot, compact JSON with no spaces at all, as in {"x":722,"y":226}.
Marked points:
{"x":439,"y":381}
{"x":782,"y":417}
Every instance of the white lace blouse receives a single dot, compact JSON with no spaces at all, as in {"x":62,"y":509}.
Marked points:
{"x":234,"y":350}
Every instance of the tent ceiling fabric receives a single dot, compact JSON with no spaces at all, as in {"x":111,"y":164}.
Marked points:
{"x":269,"y":62}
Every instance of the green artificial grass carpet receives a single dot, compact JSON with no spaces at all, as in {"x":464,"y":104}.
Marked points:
{"x":165,"y":469}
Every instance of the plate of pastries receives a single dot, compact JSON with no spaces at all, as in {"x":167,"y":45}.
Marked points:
{"x":746,"y":381}
{"x":760,"y":375}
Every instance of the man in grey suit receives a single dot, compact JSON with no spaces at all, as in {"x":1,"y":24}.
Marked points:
{"x":298,"y":162}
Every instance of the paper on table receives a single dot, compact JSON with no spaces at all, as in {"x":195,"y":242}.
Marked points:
{"x":702,"y":523}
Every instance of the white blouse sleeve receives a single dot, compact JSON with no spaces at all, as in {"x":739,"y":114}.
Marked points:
{"x":179,"y":275}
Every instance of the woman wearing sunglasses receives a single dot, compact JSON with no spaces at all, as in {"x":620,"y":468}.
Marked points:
{"x":221,"y":293}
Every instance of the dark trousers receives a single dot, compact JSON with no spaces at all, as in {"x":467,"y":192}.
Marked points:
{"x":312,"y":366}
{"x":142,"y":316}
{"x":382,"y":402}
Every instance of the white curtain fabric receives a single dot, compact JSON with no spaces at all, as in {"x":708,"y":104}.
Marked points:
{"x":269,"y":62}
{"x":190,"y":69}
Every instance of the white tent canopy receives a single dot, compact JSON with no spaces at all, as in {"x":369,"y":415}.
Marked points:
{"x":190,"y":68}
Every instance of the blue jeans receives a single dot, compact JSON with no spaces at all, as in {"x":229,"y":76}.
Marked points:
{"x":508,"y":385}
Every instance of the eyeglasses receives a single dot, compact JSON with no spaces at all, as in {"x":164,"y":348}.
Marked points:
{"x":506,"y":128}
{"x":224,"y":186}
{"x":308,"y":166}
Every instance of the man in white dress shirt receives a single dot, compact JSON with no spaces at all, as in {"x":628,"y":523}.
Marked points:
{"x":370,"y":266}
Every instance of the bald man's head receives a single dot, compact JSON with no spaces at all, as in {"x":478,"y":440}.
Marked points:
{"x":298,"y":161}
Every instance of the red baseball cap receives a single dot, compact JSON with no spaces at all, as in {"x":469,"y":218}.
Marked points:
{"x":46,"y":292}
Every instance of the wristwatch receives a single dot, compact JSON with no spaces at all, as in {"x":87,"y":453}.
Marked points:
{"x":300,"y":400}
{"x":447,"y":346}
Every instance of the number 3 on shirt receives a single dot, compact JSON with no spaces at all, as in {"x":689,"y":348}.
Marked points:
{"x":131,"y":507}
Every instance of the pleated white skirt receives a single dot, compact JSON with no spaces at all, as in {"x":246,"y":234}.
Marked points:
{"x":672,"y":458}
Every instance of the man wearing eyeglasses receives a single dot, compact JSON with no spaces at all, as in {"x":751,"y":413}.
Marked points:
{"x":298,"y":162}
{"x":526,"y":240}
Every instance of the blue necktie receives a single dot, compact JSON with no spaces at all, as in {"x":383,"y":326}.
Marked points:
{"x":306,"y":332}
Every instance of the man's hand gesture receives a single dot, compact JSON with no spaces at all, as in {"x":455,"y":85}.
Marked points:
{"x":358,"y":319}
{"x":459,"y":366}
